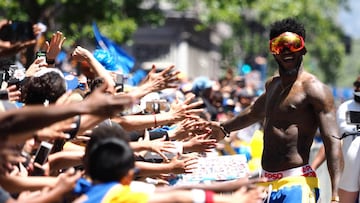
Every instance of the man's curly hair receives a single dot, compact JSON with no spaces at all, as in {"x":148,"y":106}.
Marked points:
{"x":287,"y":25}
{"x":36,"y":90}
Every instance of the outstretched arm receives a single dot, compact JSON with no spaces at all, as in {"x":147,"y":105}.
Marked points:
{"x":20,"y":121}
{"x":157,"y":81}
{"x":250,"y":115}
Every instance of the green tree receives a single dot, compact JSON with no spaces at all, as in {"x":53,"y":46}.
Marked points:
{"x":250,"y":20}
{"x":117,"y":19}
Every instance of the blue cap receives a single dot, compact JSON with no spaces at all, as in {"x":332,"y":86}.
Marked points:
{"x":201,"y":83}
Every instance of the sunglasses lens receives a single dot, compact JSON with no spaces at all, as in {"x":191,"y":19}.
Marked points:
{"x":288,"y":40}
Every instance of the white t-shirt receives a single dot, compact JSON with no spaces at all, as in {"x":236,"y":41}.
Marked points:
{"x":350,"y":179}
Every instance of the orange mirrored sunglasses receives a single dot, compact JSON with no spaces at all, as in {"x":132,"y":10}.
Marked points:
{"x":290,"y":40}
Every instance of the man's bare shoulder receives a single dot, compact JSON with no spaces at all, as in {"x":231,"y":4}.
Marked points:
{"x":312,"y":84}
{"x":317,"y":92}
{"x":271,"y":81}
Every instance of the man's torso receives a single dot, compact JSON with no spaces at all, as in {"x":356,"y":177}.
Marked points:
{"x":290,"y":125}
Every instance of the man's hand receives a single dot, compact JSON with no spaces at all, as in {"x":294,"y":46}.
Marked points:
{"x":200,"y":143}
{"x":185,"y":109}
{"x":217,"y":133}
{"x":183,"y":165}
{"x":35,"y":67}
{"x":54,"y":47}
{"x":158,"y":145}
{"x":80,"y":54}
{"x":164,"y":79}
{"x":14,"y":93}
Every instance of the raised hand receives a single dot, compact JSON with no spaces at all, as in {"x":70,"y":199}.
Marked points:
{"x":183,"y":164}
{"x":158,"y":145}
{"x":80,"y":54}
{"x":188,"y":127}
{"x":54,"y":47}
{"x":200,"y":143}
{"x":162,"y":80}
{"x":37,"y":65}
{"x":185,"y":109}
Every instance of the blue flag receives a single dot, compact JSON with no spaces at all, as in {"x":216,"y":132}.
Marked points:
{"x":122,"y":59}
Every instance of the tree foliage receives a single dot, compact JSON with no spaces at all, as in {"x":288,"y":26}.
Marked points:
{"x":249,"y":19}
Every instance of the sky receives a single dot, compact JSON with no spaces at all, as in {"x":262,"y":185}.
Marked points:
{"x":351,"y":19}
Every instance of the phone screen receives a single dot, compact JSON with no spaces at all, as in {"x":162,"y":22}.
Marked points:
{"x":2,"y":76}
{"x":43,"y":152}
{"x":17,"y":31}
{"x":353,"y":117}
{"x":41,"y":54}
{"x":156,"y":106}
{"x":16,"y":75}
{"x":119,"y":82}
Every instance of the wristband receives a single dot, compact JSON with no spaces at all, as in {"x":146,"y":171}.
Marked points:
{"x":209,"y":196}
{"x":335,"y":199}
{"x":50,"y":61}
{"x":226,"y":133}
{"x":198,"y":196}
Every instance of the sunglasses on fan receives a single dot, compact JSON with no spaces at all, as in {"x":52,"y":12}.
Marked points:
{"x":289,"y":40}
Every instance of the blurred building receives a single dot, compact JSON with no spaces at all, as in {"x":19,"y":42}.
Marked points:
{"x":178,"y":42}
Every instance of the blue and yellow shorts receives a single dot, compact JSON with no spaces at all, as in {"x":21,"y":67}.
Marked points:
{"x":293,"y":189}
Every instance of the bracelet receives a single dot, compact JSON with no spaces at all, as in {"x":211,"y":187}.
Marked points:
{"x":209,"y":196}
{"x":198,"y":196}
{"x":222,"y":128}
{"x":335,"y":199}
{"x":50,"y":61}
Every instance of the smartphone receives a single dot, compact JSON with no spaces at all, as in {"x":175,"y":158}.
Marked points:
{"x":40,"y":158}
{"x":23,"y":30}
{"x":119,"y":82}
{"x":17,"y":31}
{"x":156,"y":106}
{"x":4,"y":95}
{"x":16,"y":75}
{"x":41,"y":54}
{"x":353,"y":117}
{"x":2,"y":78}
{"x":43,"y":152}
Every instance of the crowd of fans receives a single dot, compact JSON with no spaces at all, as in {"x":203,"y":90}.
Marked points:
{"x":99,"y":134}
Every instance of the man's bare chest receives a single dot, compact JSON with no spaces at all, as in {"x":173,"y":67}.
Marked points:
{"x":287,"y":104}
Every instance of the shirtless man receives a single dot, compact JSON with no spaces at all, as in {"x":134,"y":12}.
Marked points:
{"x":294,"y":105}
